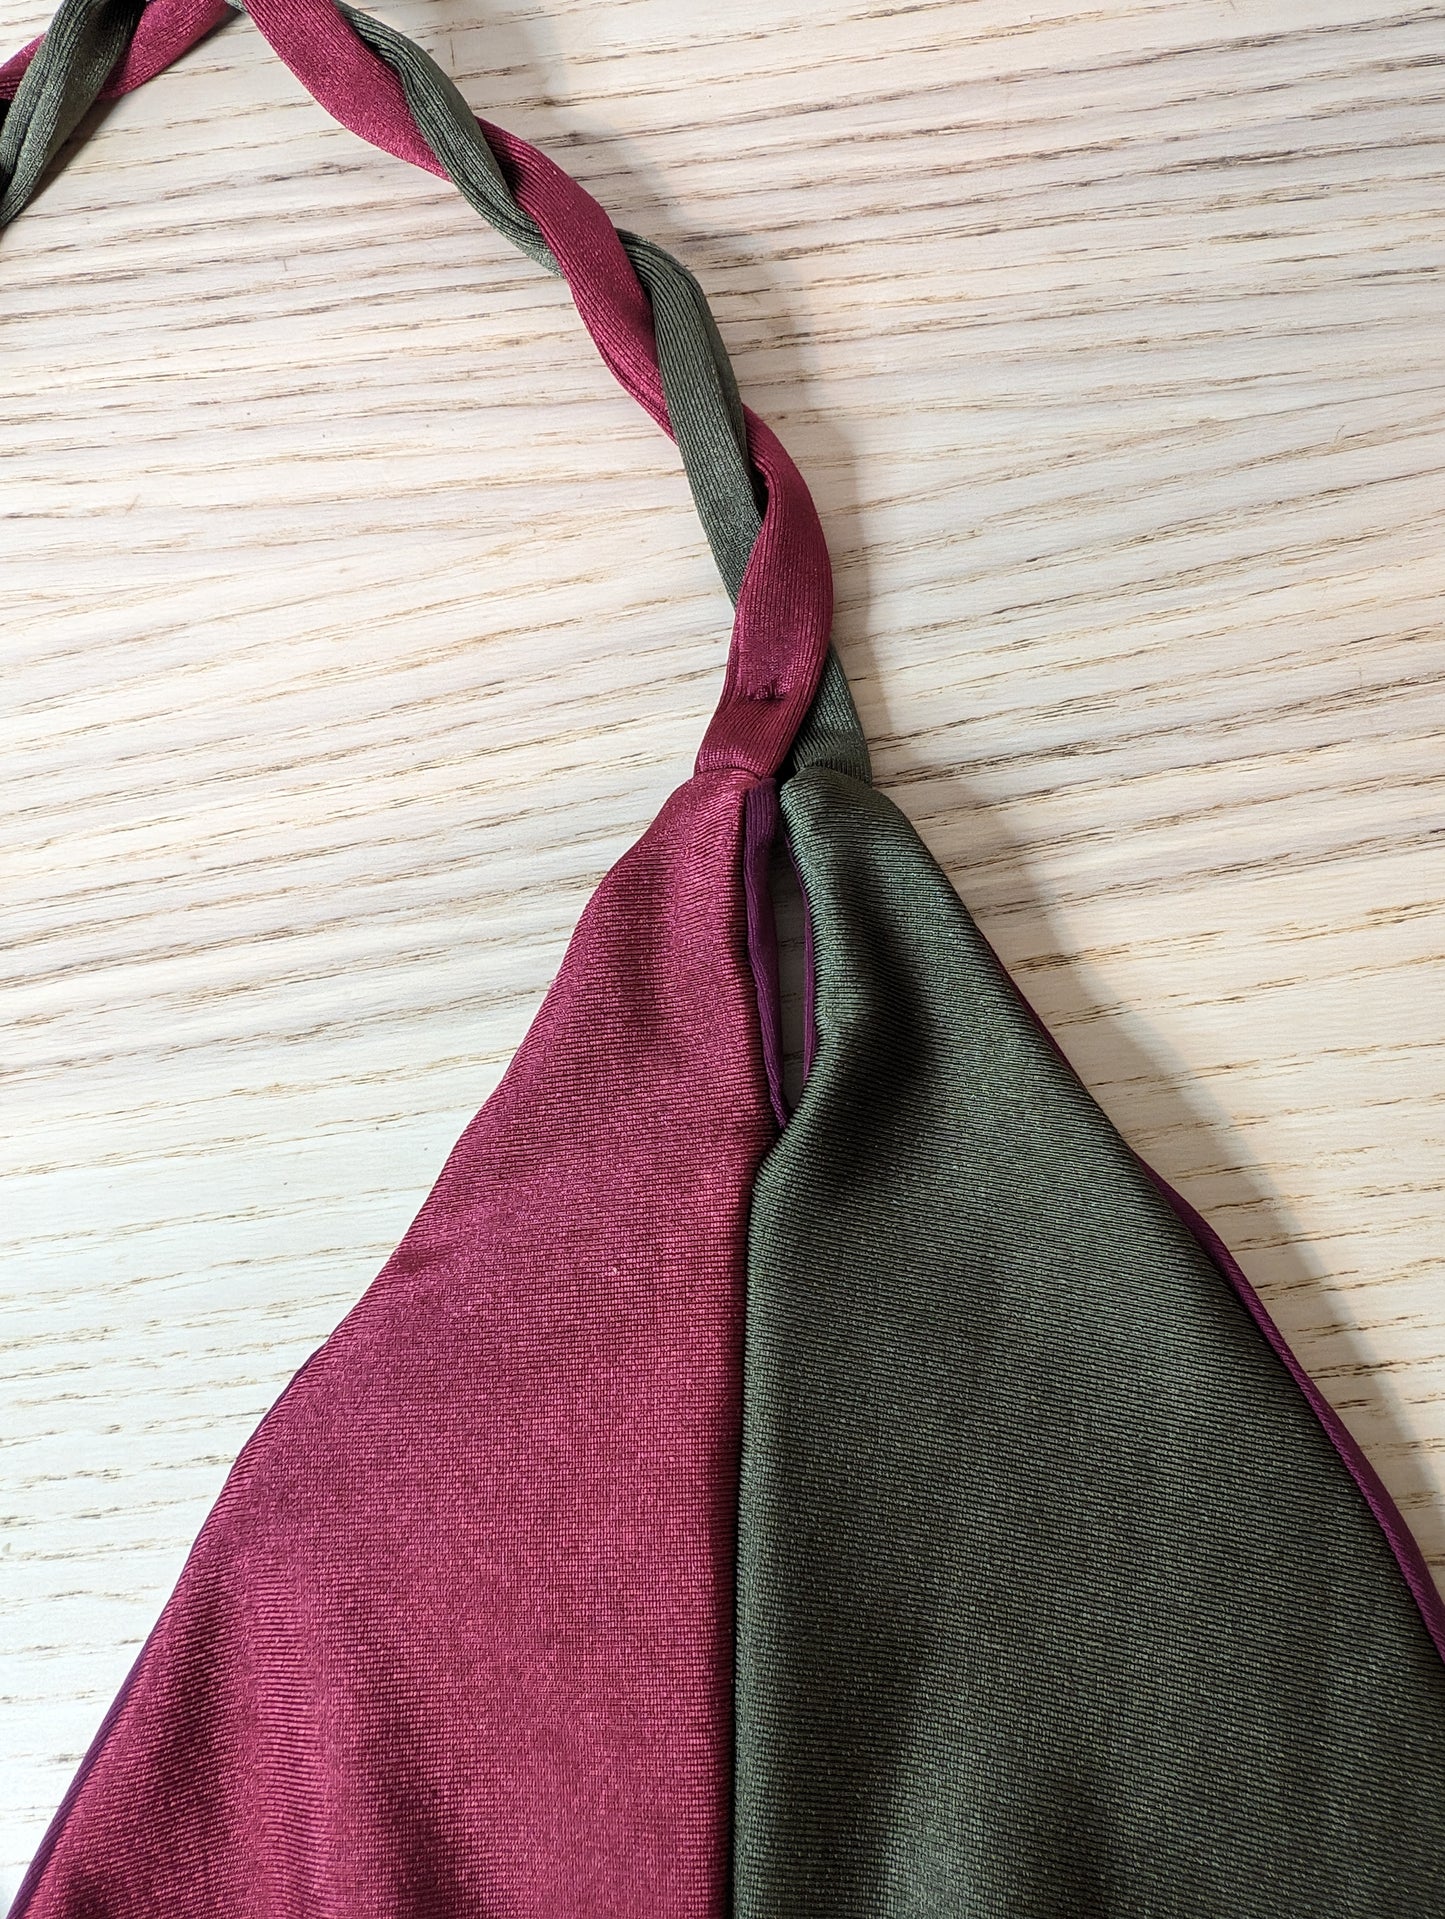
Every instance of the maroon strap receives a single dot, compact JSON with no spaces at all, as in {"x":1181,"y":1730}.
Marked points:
{"x":784,"y":610}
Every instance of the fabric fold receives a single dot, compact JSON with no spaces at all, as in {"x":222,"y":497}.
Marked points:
{"x":1056,"y":1595}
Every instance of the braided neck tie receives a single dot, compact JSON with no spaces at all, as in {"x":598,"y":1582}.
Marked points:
{"x":457,"y":1637}
{"x":1061,"y":1591}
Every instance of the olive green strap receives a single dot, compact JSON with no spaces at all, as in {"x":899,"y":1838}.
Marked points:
{"x":62,"y":82}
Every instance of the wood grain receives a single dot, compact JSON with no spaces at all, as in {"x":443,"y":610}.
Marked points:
{"x":354,"y":623}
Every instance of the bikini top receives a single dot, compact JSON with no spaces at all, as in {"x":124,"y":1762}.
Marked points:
{"x":898,"y":1505}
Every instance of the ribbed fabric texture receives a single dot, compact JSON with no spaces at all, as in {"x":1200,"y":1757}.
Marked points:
{"x":1055,"y":1597}
{"x":55,"y":85}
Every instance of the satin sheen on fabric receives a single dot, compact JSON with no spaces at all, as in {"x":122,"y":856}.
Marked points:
{"x":1060,"y":1595}
{"x":1057,"y":1595}
{"x":457,"y":1637}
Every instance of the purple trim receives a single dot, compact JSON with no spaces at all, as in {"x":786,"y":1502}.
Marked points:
{"x":760,"y":829}
{"x":810,"y":986}
{"x":1391,"y":1521}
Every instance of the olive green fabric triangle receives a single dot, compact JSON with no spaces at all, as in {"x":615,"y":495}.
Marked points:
{"x":1056,"y":1599}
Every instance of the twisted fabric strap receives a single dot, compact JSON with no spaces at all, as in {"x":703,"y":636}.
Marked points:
{"x":646,"y":313}
{"x":355,"y":1701}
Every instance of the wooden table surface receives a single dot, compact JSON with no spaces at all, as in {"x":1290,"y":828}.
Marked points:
{"x":355,"y":623}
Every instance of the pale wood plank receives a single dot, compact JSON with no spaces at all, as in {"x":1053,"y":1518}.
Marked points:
{"x":1110,"y":339}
